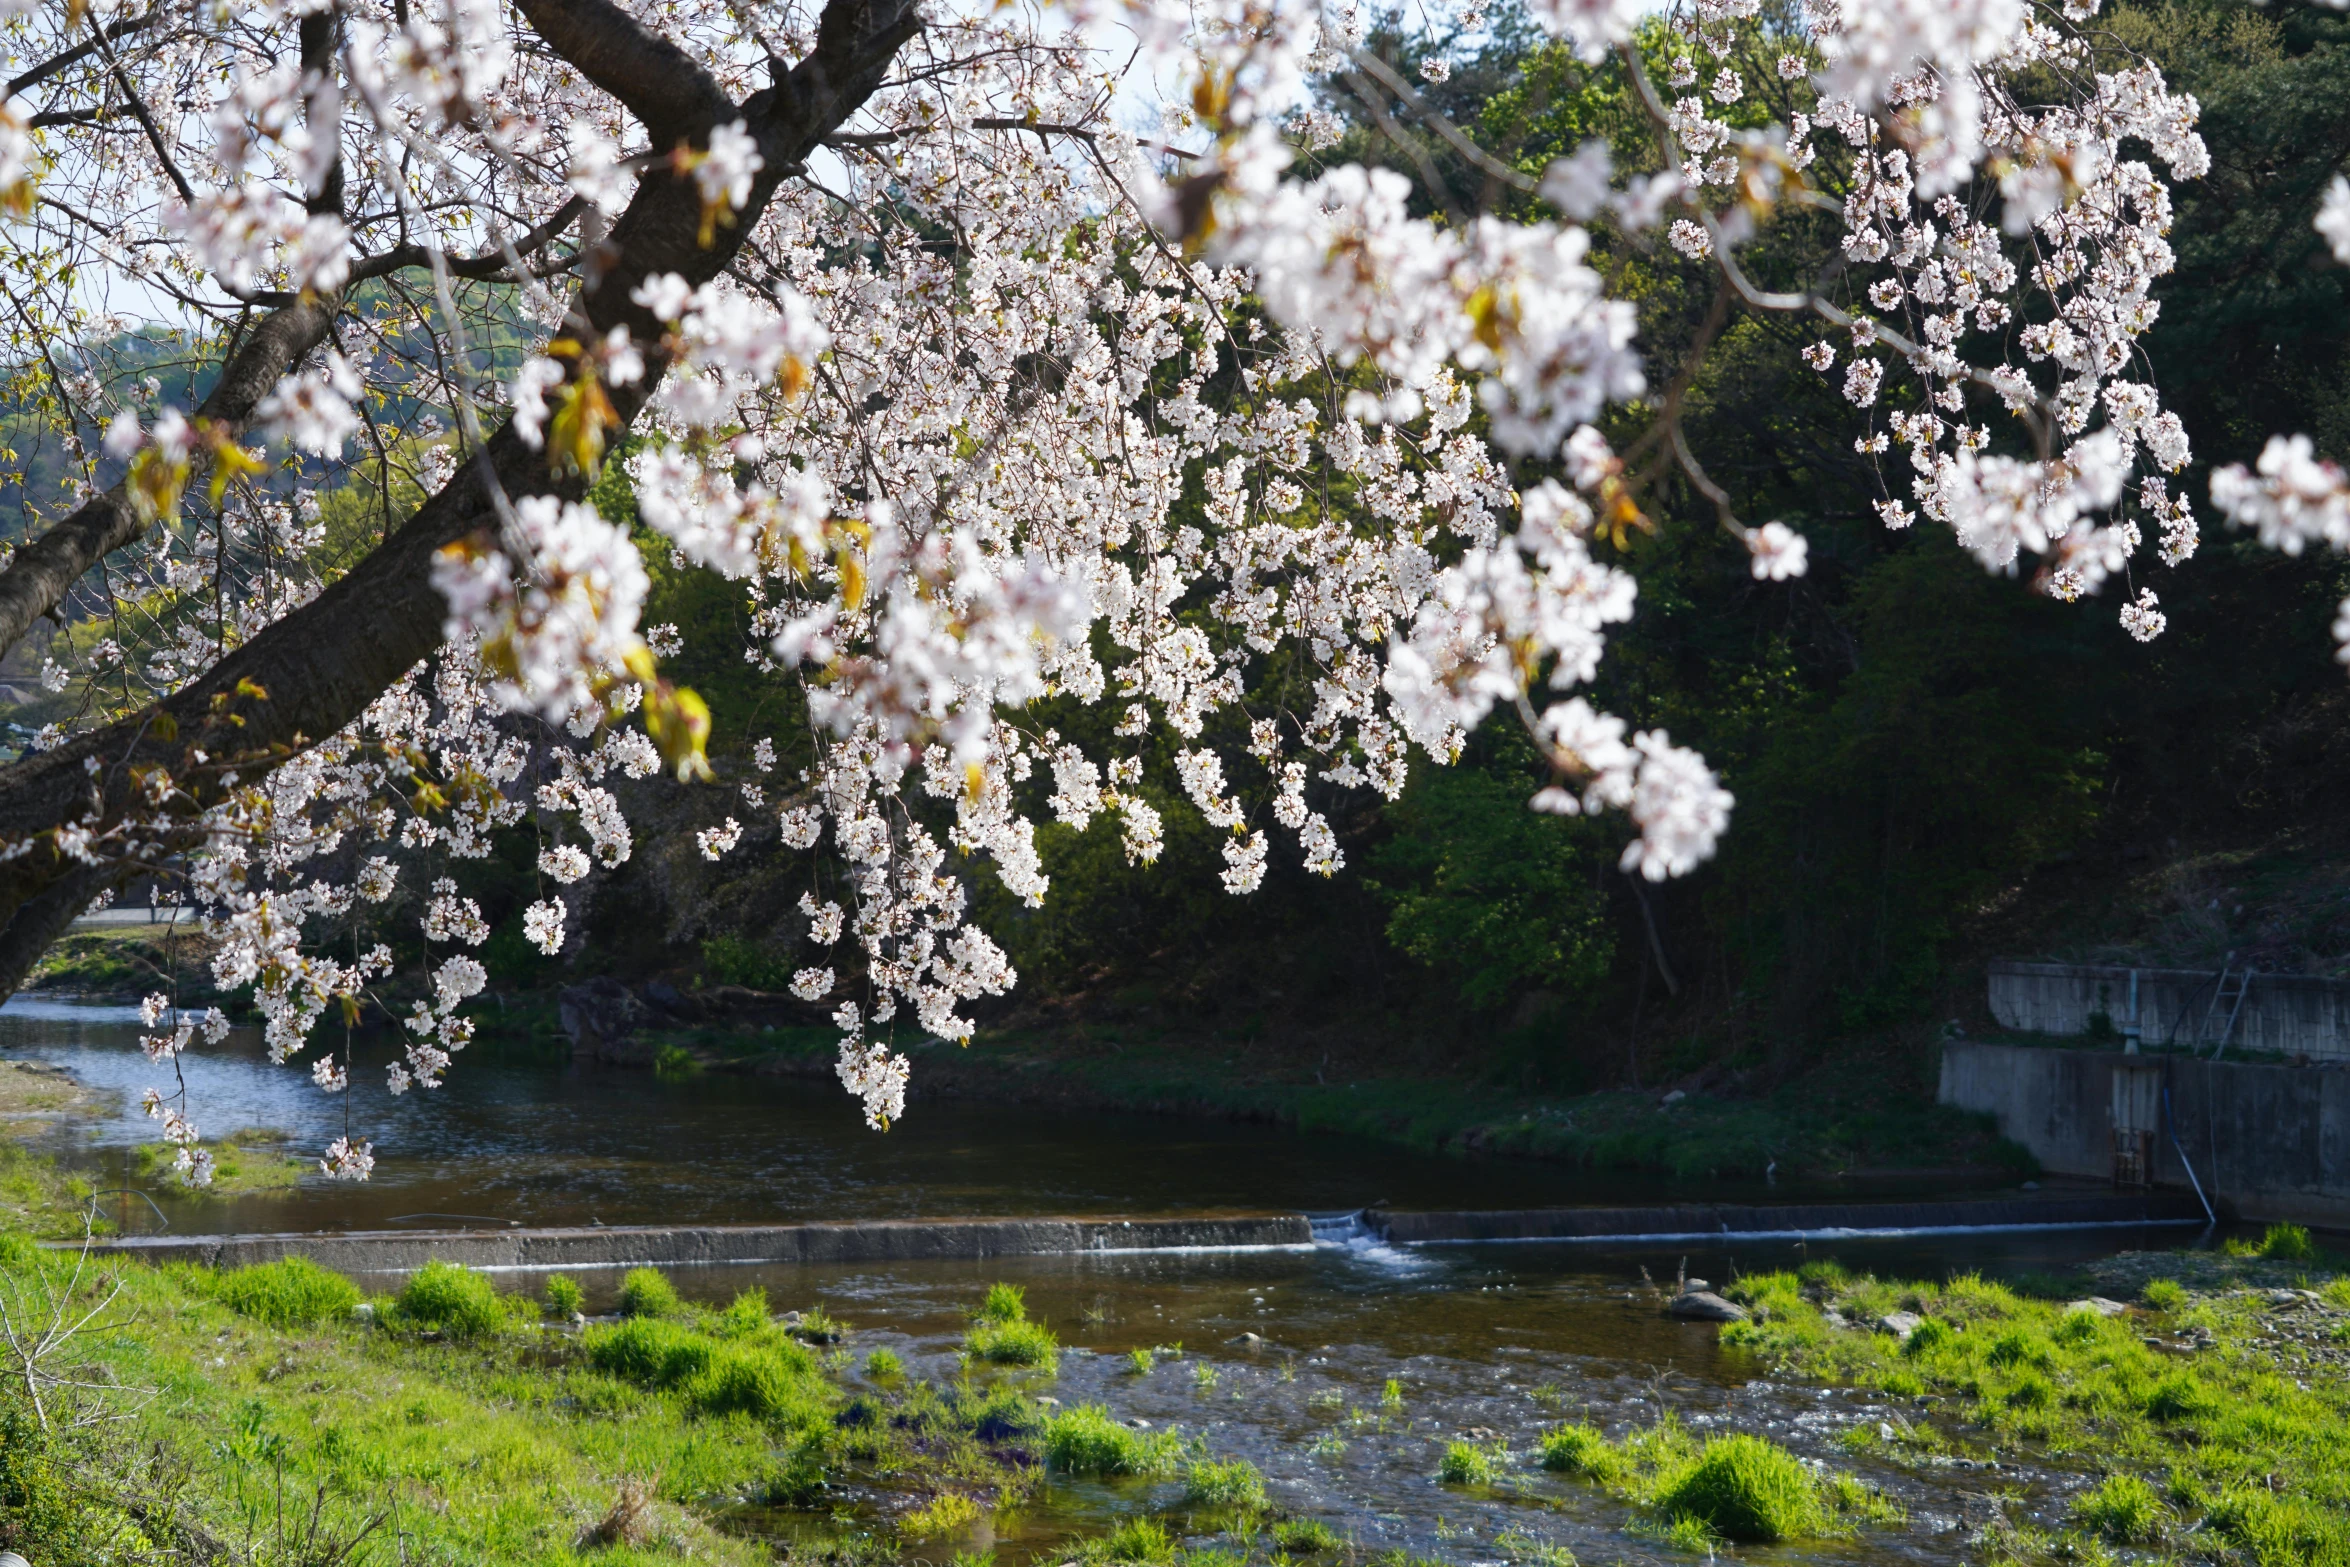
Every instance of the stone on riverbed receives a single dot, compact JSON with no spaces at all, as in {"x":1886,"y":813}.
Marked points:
{"x":1706,"y":1306}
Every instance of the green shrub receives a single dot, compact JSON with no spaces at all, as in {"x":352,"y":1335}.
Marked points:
{"x":1004,"y":1303}
{"x":884,"y":1366}
{"x":2287,"y":1243}
{"x":2164,"y":1294}
{"x":1015,"y":1343}
{"x":564,"y":1297}
{"x":1087,"y":1441}
{"x":2124,"y":1510}
{"x":1304,"y":1534}
{"x":647,"y":1292}
{"x":452,"y":1298}
{"x":293,"y":1292}
{"x":2016,"y":1347}
{"x":1233,"y":1484}
{"x":1744,"y":1488}
{"x":1140,"y":1361}
{"x":1140,"y":1540}
{"x":1579,"y":1450}
{"x":1465,"y":1463}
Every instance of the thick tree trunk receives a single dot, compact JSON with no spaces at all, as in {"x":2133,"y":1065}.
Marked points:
{"x":317,"y":669}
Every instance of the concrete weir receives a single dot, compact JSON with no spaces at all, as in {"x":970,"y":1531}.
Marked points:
{"x":871,"y":1240}
{"x":1793,"y":1221}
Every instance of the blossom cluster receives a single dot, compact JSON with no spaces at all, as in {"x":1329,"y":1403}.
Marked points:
{"x":1009,"y":413}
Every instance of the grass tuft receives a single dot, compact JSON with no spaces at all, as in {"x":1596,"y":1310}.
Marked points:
{"x":1744,"y":1488}
{"x":1088,"y":1441}
{"x":1465,"y":1463}
{"x":1301,"y":1535}
{"x":2124,"y":1509}
{"x":1580,"y":1450}
{"x":293,"y":1292}
{"x":951,"y":1513}
{"x":450,"y":1298}
{"x":647,"y":1292}
{"x":1236,"y":1483}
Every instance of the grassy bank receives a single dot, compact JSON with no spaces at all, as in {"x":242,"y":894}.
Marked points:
{"x":1835,"y":1122}
{"x":269,"y":1415}
{"x":2212,"y":1423}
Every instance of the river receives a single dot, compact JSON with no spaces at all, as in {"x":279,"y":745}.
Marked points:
{"x":1490,"y":1342}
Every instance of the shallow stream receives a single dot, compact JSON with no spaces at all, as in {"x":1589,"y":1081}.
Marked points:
{"x":1488,"y":1343}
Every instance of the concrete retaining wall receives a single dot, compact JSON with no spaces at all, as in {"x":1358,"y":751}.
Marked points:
{"x":2284,"y":1014}
{"x":880,"y":1240}
{"x":2267,"y":1142}
{"x":1692,"y":1222}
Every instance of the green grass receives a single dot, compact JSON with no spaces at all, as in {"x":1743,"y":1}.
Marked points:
{"x":564,"y":1297}
{"x":517,"y":1440}
{"x":951,"y":1513}
{"x":1139,"y":1540}
{"x":1465,"y":1463}
{"x":2124,"y":1509}
{"x":293,"y":1292}
{"x":2244,"y":1443}
{"x":1300,"y":1536}
{"x":1579,"y":1450}
{"x":1744,"y":1488}
{"x":1234,"y":1483}
{"x":1002,"y":1335}
{"x":1088,"y":1440}
{"x":452,"y":1299}
{"x":647,"y":1292}
{"x":1004,"y":1303}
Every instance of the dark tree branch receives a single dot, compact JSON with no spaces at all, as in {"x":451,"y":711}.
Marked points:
{"x":669,"y":93}
{"x":45,"y":570}
{"x":489,"y":264}
{"x":74,"y":56}
{"x":321,"y":665}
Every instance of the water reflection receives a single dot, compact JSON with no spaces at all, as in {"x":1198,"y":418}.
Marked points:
{"x":556,"y":1143}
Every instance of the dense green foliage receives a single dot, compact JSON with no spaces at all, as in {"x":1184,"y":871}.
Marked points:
{"x":293,"y":1292}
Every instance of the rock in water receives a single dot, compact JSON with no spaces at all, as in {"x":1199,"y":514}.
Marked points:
{"x":1706,"y":1306}
{"x":602,"y":1017}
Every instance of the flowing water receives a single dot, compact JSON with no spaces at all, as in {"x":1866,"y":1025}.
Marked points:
{"x":1488,"y":1343}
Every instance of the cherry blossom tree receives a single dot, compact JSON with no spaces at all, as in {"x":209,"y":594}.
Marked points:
{"x":979,"y":396}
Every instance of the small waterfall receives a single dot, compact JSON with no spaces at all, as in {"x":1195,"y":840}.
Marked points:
{"x":1348,"y":1233}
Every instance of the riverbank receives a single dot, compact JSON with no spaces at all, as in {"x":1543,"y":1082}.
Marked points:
{"x":1834,"y":1124}
{"x":271,"y":1414}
